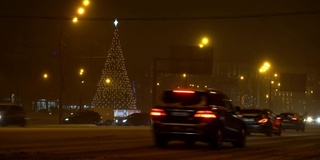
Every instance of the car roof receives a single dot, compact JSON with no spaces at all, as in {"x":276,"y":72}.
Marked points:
{"x":196,"y":90}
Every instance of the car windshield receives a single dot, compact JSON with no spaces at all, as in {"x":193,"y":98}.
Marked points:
{"x":183,"y":97}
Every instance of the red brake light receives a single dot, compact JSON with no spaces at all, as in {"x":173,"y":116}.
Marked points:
{"x":294,"y":118}
{"x":157,"y":112}
{"x":183,"y":91}
{"x":279,"y":118}
{"x":100,"y":117}
{"x":205,"y":114}
{"x":264,"y":120}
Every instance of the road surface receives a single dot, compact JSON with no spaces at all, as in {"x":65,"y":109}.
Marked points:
{"x":83,"y":142}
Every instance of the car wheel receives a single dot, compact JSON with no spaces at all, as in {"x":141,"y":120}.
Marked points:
{"x":3,"y":124}
{"x":269,"y":132}
{"x":242,"y":139}
{"x":303,"y":128}
{"x":160,"y":141}
{"x":216,"y":141}
{"x":279,"y":132}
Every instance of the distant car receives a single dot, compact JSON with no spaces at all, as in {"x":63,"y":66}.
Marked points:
{"x":197,"y":115}
{"x":260,"y":120}
{"x":12,"y":114}
{"x":136,"y":119}
{"x":293,"y":121}
{"x":84,"y":117}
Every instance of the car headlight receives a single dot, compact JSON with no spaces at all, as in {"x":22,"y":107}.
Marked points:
{"x":66,"y":119}
{"x":318,"y":120}
{"x":309,"y":119}
{"x":124,"y":121}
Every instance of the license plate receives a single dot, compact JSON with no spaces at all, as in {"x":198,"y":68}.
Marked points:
{"x":181,"y":114}
{"x":248,"y":120}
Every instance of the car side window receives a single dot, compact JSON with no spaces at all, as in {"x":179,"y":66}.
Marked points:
{"x":215,"y":99}
{"x":228,"y":104}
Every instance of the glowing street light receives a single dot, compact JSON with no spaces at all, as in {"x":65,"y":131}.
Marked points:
{"x":264,"y":67}
{"x":184,"y":75}
{"x":204,"y":42}
{"x":108,"y":80}
{"x":86,"y":2}
{"x":81,"y":72}
{"x":45,"y":76}
{"x":75,"y":20}
{"x":80,"y":10}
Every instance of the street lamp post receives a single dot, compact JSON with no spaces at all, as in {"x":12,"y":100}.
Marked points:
{"x":45,"y":77}
{"x":264,"y":68}
{"x":81,"y":88}
{"x":61,"y":61}
{"x":203,"y":43}
{"x":185,"y":79}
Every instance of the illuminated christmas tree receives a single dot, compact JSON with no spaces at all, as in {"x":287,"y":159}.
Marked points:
{"x":114,"y":88}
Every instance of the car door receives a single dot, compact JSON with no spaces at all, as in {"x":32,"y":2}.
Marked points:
{"x":276,"y":123}
{"x":233,"y":122}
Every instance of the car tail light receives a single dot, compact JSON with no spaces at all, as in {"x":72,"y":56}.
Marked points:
{"x":264,"y":120}
{"x":183,"y":91}
{"x":100,"y":117}
{"x":279,"y":118}
{"x":205,"y":114}
{"x":157,"y":112}
{"x":294,"y":118}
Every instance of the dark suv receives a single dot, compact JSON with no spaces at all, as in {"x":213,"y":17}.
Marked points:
{"x":197,"y":115}
{"x":12,"y":114}
{"x":84,"y":117}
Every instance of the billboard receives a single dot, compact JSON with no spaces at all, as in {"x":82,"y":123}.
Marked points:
{"x":293,"y":82}
{"x":187,"y":59}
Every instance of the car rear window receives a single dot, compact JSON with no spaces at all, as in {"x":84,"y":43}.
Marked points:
{"x":183,"y":97}
{"x":286,"y":115}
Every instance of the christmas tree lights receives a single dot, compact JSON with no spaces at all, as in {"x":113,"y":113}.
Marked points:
{"x":114,"y":88}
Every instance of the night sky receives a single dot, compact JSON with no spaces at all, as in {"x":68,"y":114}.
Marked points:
{"x":283,"y":32}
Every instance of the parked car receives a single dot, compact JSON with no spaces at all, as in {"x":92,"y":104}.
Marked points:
{"x":291,"y":120}
{"x":12,"y":114}
{"x":136,"y":119}
{"x":84,"y":117}
{"x":260,"y":120}
{"x":197,"y":115}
